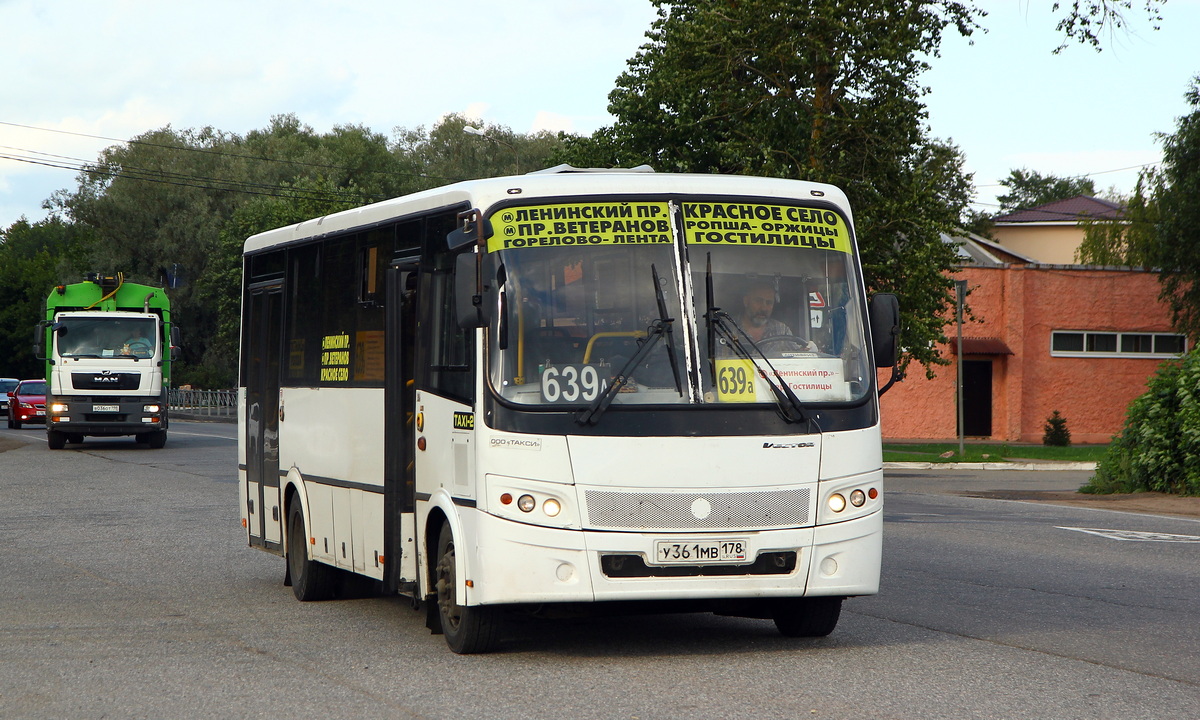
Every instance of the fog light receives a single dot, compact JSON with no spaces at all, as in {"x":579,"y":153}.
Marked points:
{"x":837,"y":503}
{"x":857,"y":498}
{"x":551,"y":507}
{"x":526,"y":503}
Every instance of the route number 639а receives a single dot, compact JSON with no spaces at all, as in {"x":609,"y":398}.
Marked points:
{"x":572,"y":383}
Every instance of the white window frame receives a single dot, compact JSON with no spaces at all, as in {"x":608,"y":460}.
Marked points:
{"x":1118,"y":353}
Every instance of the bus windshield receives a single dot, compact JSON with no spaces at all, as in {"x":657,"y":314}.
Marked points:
{"x":687,"y":302}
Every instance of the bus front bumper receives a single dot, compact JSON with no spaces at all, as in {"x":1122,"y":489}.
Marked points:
{"x":519,"y":563}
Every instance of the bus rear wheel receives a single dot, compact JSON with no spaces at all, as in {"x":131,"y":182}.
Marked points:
{"x":311,"y":580}
{"x":468,"y":629}
{"x":808,"y":617}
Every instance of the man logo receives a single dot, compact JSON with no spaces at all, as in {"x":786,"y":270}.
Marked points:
{"x":105,"y":378}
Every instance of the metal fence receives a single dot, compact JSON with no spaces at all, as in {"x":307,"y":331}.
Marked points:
{"x":212,"y":404}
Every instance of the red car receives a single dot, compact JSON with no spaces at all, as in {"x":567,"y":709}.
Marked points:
{"x":27,"y":403}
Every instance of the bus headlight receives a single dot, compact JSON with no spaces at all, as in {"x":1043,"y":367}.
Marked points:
{"x":850,"y":498}
{"x":533,"y":502}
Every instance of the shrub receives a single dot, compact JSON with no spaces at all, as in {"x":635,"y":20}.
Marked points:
{"x":1056,"y":432}
{"x":1158,"y":449}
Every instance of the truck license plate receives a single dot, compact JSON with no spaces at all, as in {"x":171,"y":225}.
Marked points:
{"x":700,"y":552}
{"x":106,"y":408}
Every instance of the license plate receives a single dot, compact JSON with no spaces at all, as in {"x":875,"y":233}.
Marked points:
{"x":106,"y":408}
{"x":700,"y":552}
{"x":39,"y":413}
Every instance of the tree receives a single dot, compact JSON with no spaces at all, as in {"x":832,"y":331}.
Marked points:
{"x":822,"y":90}
{"x":1162,"y":222}
{"x":449,"y":153}
{"x":1126,"y":240}
{"x":1089,"y":19}
{"x":1176,"y":250}
{"x":33,"y":259}
{"x":1029,"y":188}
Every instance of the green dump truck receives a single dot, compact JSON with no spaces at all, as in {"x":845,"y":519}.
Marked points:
{"x":108,"y":346}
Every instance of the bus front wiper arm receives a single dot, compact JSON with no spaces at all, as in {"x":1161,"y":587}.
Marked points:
{"x":722,"y":325}
{"x":591,"y":415}
{"x":658,"y":329}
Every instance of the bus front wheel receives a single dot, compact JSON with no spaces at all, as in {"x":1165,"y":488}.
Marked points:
{"x":311,"y":580}
{"x":808,"y":617}
{"x":468,"y":628}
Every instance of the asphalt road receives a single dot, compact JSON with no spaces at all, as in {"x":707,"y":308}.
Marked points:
{"x":128,"y":593}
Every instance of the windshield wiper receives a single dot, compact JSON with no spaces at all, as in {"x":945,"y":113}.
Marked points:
{"x":658,"y":329}
{"x":720,"y":324}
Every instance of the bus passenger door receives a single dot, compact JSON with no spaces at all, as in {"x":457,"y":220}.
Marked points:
{"x":399,"y":521}
{"x":263,"y":338}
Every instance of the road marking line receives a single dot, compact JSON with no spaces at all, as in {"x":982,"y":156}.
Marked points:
{"x":1135,"y":536}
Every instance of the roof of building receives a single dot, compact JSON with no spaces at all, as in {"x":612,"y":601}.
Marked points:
{"x":977,"y":250}
{"x":1069,"y":211}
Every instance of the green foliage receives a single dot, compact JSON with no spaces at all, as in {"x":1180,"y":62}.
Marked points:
{"x":1176,"y":250}
{"x":33,"y":258}
{"x":1159,"y":447}
{"x":1129,"y":239}
{"x":1088,"y":20}
{"x":824,"y":90}
{"x":1055,"y":430}
{"x":185,"y":200}
{"x":1029,"y":188}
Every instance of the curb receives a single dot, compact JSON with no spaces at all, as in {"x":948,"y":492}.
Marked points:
{"x":989,"y":466}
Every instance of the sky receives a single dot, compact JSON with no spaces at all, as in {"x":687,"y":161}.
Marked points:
{"x":81,"y":75}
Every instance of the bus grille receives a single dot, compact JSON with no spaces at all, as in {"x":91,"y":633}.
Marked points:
{"x":697,"y":510}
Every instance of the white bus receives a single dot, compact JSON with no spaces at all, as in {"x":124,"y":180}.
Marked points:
{"x":653,"y":392}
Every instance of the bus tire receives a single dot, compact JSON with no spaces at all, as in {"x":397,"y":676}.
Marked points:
{"x":808,"y":617}
{"x":56,"y":440}
{"x":311,"y":580}
{"x":468,"y":629}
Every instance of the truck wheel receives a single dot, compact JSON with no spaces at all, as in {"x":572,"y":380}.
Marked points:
{"x":156,"y":439}
{"x":808,"y":617}
{"x":311,"y":580}
{"x":468,"y":629}
{"x":56,"y":440}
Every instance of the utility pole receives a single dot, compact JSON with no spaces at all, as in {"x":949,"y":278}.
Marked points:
{"x":960,"y":291}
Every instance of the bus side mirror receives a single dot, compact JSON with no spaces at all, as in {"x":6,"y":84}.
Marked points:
{"x":469,"y":300}
{"x":884,"y":314}
{"x":469,"y":232}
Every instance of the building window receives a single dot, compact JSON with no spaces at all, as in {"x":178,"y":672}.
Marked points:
{"x":1065,"y":343}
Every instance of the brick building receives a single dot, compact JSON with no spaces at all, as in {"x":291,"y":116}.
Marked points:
{"x":1082,"y":340}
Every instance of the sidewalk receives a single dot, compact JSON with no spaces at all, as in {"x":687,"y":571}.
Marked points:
{"x":1012,"y":465}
